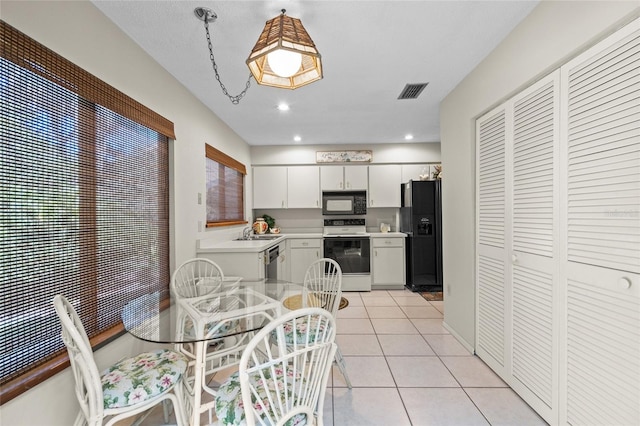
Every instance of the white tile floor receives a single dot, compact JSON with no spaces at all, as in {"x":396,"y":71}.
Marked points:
{"x":406,"y":369}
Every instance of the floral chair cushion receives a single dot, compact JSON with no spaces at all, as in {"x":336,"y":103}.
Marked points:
{"x":138,"y":379}
{"x":300,"y":331}
{"x":230,"y":409}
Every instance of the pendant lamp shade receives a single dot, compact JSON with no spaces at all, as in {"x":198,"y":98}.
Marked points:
{"x":284,"y":55}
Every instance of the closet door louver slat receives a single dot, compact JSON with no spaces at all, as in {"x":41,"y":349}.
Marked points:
{"x":533,"y":172}
{"x":491,"y":180}
{"x":532,"y":331}
{"x":491,"y":308}
{"x":603,"y":133}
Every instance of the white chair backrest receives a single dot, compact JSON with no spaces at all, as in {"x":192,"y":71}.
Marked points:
{"x":196,"y":277}
{"x":282,"y":379}
{"x":323,"y":285}
{"x":85,"y":371}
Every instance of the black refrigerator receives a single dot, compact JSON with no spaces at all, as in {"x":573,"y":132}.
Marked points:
{"x":421,"y":220}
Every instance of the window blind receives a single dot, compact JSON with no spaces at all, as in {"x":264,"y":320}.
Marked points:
{"x":225,"y":189}
{"x":83,"y":206}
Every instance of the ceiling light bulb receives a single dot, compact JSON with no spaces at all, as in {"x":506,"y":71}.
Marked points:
{"x":297,"y":138}
{"x":408,"y":137}
{"x":283,"y":107}
{"x":284,"y":62}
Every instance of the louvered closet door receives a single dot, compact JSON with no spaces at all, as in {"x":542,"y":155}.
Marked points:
{"x":491,"y":133}
{"x":603,"y":232}
{"x":534,"y":276}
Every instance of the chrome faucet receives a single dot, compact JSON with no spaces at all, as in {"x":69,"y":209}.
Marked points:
{"x":246,"y":233}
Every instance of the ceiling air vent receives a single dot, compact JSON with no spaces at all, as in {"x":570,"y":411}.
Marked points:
{"x":412,"y":91}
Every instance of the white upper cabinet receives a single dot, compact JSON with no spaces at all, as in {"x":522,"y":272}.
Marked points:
{"x":269,"y":187}
{"x":384,"y":185}
{"x":339,"y":178}
{"x":282,"y":187}
{"x":303,"y":187}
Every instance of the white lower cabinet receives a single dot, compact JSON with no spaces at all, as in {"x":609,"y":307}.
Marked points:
{"x":250,"y":266}
{"x":302,"y":253}
{"x":388,"y":263}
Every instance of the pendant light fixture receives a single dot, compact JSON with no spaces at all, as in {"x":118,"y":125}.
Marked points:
{"x":284,"y":55}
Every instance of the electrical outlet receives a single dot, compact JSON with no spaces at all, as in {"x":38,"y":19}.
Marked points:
{"x":199,"y":197}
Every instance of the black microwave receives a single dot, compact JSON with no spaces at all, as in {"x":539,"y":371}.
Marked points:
{"x":344,"y":203}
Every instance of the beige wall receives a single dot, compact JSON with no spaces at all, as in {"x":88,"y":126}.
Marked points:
{"x":81,"y":33}
{"x":554,"y":32}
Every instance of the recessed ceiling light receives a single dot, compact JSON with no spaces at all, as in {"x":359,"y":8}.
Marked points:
{"x":283,"y":107}
{"x":297,"y":138}
{"x":408,"y":137}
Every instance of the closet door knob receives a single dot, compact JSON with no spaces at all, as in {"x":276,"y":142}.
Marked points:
{"x":514,"y":258}
{"x":624,"y":283}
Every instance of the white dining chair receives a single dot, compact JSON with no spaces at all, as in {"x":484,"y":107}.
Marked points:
{"x":203,"y":279}
{"x":282,"y":382}
{"x":127,"y":388}
{"x":323,"y":288}
{"x":196,"y":277}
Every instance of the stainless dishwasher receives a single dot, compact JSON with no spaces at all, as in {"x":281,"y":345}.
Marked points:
{"x":271,"y":263}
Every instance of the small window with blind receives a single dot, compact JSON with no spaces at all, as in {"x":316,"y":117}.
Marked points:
{"x":84,"y":206}
{"x":225,"y":189}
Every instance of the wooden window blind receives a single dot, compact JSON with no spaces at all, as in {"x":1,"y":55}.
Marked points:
{"x":83,"y":206}
{"x":225,"y":189}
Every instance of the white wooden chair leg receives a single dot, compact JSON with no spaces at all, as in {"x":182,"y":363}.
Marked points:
{"x":343,"y":367}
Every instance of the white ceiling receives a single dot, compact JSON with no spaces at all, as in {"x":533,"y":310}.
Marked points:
{"x":370,"y":50}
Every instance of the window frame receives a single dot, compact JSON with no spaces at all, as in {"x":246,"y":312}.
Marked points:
{"x":225,"y":160}
{"x":37,"y":59}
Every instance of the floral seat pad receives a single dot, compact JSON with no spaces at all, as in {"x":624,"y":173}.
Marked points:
{"x":301,"y":329}
{"x":138,"y":379}
{"x":229,"y":406}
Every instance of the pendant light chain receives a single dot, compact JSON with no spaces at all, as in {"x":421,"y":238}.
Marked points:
{"x":234,"y":99}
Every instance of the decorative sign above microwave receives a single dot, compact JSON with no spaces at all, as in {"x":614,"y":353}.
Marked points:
{"x":344,"y":156}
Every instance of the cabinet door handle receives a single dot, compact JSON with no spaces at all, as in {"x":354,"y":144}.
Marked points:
{"x":375,"y":253}
{"x":348,"y":185}
{"x":340,"y":185}
{"x":624,"y":283}
{"x":514,"y":258}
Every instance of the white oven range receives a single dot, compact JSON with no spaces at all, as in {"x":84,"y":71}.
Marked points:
{"x":347,"y":242}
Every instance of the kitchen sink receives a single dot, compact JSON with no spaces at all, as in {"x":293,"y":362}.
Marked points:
{"x":259,"y":237}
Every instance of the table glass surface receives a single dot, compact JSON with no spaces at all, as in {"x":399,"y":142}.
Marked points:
{"x":236,"y":307}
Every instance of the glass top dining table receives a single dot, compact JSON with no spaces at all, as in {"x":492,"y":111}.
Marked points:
{"x":248,"y":305}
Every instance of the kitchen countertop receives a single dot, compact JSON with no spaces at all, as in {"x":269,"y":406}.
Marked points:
{"x":387,"y":235}
{"x":246,"y":246}
{"x":256,"y":246}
